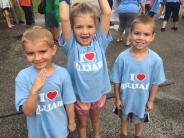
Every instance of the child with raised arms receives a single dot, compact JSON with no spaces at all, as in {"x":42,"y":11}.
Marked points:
{"x":44,"y":90}
{"x":85,"y":41}
{"x":136,"y":75}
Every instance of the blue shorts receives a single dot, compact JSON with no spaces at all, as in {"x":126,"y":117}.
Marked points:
{"x":50,"y":20}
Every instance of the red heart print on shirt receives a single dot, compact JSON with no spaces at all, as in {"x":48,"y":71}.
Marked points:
{"x":90,"y":56}
{"x":52,"y":95}
{"x":141,"y":77}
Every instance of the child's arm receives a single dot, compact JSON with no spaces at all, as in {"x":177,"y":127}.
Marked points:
{"x":71,"y":117}
{"x":29,"y":106}
{"x":153,"y":94}
{"x":65,"y":19}
{"x":143,"y":11}
{"x":105,"y":16}
{"x":118,"y":102}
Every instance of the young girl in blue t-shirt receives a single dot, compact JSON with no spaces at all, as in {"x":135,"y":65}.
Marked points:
{"x":85,"y":41}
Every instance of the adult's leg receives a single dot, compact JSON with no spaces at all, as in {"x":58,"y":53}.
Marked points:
{"x":175,"y":15}
{"x":28,"y":14}
{"x":121,"y":27}
{"x":167,"y":15}
{"x":95,"y":120}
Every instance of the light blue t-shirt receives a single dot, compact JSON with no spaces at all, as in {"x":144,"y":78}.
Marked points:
{"x":50,"y":119}
{"x":155,"y":6}
{"x":88,"y":67}
{"x":129,"y":6}
{"x":136,"y":79}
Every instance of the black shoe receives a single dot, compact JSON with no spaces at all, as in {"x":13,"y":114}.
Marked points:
{"x":174,"y":28}
{"x":162,"y":29}
{"x":137,"y":137}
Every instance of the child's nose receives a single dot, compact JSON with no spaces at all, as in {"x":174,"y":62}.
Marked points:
{"x":36,"y":57}
{"x":84,"y":30}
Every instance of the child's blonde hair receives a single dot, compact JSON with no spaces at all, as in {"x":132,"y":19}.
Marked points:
{"x":37,"y":34}
{"x":82,"y":9}
{"x":144,"y":19}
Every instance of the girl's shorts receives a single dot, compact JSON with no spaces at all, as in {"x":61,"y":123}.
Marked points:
{"x":84,"y":108}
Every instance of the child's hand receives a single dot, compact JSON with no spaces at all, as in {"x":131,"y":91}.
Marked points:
{"x":149,"y":105}
{"x":39,"y":81}
{"x":118,"y":103}
{"x":72,"y":127}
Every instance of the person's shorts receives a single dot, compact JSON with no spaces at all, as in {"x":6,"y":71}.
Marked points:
{"x":133,"y":118}
{"x":50,"y":20}
{"x":84,"y":108}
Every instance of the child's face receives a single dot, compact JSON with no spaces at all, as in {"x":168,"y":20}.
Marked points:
{"x":142,"y":35}
{"x":84,"y":28}
{"x":39,"y":54}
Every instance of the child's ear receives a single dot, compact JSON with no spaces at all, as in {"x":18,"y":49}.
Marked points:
{"x":54,"y":49}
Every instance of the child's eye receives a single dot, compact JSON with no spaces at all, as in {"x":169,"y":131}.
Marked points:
{"x":78,"y":27}
{"x":137,"y":33}
{"x":147,"y":34}
{"x":43,"y":51}
{"x":29,"y":53}
{"x":90,"y":26}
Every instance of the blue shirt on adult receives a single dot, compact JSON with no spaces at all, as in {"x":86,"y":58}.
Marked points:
{"x":88,"y":67}
{"x":155,"y":6}
{"x":129,"y":6}
{"x":50,"y":119}
{"x":136,"y":78}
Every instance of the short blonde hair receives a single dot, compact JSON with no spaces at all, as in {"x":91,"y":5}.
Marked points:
{"x":144,"y":19}
{"x":37,"y":34}
{"x":82,"y":9}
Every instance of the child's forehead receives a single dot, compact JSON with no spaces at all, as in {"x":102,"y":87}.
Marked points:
{"x":143,"y":26}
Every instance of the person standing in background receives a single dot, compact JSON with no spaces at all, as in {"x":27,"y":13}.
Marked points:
{"x":26,"y":5}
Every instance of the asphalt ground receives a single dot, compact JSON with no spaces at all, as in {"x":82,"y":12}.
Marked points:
{"x":167,"y":119}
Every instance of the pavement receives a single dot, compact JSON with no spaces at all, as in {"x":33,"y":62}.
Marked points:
{"x":167,"y":119}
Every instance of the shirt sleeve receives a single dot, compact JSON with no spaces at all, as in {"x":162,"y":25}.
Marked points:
{"x":103,"y":39}
{"x":68,"y":92}
{"x":21,"y":91}
{"x":117,"y":71}
{"x":158,"y":75}
{"x":66,"y":45}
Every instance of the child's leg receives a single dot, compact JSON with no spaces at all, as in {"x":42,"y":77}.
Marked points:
{"x":138,"y":129}
{"x":95,"y":120}
{"x":124,"y":127}
{"x":82,"y":126}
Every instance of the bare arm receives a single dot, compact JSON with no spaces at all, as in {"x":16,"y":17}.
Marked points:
{"x":153,"y":94}
{"x":143,"y":8}
{"x":105,"y":16}
{"x":71,"y":117}
{"x":29,"y":106}
{"x":118,"y":102}
{"x":65,"y":20}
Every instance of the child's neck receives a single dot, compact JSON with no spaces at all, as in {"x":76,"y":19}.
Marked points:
{"x":139,"y":54}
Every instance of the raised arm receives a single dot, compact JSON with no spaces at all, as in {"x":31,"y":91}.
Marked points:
{"x":105,"y":16}
{"x":65,"y":19}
